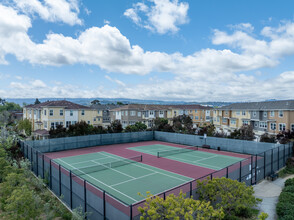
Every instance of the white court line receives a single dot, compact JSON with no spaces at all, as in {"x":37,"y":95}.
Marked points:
{"x":134,"y":179}
{"x":87,"y":161}
{"x":102,"y":183}
{"x":136,"y":164}
{"x":193,"y":163}
{"x":207,"y":158}
{"x":114,"y":169}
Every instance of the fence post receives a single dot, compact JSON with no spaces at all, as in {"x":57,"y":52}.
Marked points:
{"x":85,"y":198}
{"x":104,"y":206}
{"x":278,"y":158}
{"x":32,"y":160}
{"x":284,"y":155}
{"x":251,"y":169}
{"x":131,"y":212}
{"x":191,"y":190}
{"x":264,"y":165}
{"x":272,"y":158}
{"x":43,"y":167}
{"x":255,"y":169}
{"x":37,"y":162}
{"x":28,"y":151}
{"x":59,"y":173}
{"x":211,"y":176}
{"x":227,"y":174}
{"x":70,"y":188}
{"x":240,"y":171}
{"x":50,"y":173}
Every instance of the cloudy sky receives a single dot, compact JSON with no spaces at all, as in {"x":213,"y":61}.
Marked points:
{"x":212,"y":50}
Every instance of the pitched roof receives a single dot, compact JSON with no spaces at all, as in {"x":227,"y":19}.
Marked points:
{"x":104,"y":107}
{"x":268,"y":105}
{"x":192,"y":107}
{"x":143,"y":107}
{"x":59,"y":103}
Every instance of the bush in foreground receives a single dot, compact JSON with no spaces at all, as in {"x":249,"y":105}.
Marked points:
{"x":285,"y":206}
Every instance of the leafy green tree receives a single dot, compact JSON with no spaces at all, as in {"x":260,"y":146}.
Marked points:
{"x":230,"y":195}
{"x":243,"y":133}
{"x":138,"y":126}
{"x":4,"y":117}
{"x":26,"y":126}
{"x":119,"y":103}
{"x":183,"y":124}
{"x":267,"y":138}
{"x":57,"y":132}
{"x":37,"y":101}
{"x":10,"y":106}
{"x":115,"y":127}
{"x":177,"y":207}
{"x":208,"y":129}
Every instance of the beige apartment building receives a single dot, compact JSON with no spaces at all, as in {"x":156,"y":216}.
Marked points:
{"x":49,"y":114}
{"x":130,"y":114}
{"x":271,"y":116}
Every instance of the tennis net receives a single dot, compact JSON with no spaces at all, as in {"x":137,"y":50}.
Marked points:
{"x":176,"y":151}
{"x":104,"y":166}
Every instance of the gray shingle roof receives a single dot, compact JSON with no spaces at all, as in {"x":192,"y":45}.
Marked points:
{"x":268,"y":105}
{"x":61,"y":103}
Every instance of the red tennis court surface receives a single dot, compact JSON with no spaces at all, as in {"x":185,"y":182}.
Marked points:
{"x":122,"y":150}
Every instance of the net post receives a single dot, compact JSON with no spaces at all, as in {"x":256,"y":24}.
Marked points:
{"x":157,"y":154}
{"x":50,"y":173}
{"x":163,"y":195}
{"x":141,"y":157}
{"x":211,"y":176}
{"x":37,"y":161}
{"x":240,"y":171}
{"x":104,"y":206}
{"x":131,"y":212}
{"x":59,"y":174}
{"x":85,"y":198}
{"x":70,"y":188}
{"x":264,"y":164}
{"x":227,"y":172}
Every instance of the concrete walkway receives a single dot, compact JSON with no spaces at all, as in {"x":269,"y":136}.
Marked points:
{"x":269,"y":192}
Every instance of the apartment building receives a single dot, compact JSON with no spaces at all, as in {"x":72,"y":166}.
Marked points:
{"x":103,"y":113}
{"x":271,"y":116}
{"x":199,"y":114}
{"x":130,"y":114}
{"x":49,"y":114}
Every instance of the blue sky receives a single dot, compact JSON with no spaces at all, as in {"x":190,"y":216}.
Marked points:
{"x":209,"y":50}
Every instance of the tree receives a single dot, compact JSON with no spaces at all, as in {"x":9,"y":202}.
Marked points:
{"x":177,"y":207}
{"x":119,"y":103}
{"x":209,"y":130}
{"x":115,"y":127}
{"x":138,"y":126}
{"x":183,"y":124}
{"x":230,"y":195}
{"x":243,"y":133}
{"x":95,"y":102}
{"x":37,"y":101}
{"x":26,"y":126}
{"x":2,"y":101}
{"x":267,"y":138}
{"x":57,"y":132}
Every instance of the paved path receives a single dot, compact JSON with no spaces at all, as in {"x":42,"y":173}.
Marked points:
{"x":269,"y":192}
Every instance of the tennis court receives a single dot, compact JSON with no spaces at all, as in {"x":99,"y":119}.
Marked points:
{"x":120,"y":177}
{"x":189,"y":155}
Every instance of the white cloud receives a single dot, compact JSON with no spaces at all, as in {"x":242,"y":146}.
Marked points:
{"x":163,"y":16}
{"x":115,"y":81}
{"x":52,"y":10}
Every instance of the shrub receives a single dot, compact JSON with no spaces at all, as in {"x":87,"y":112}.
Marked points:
{"x":289,"y":182}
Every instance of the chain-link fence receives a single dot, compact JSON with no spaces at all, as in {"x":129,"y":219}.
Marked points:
{"x":99,"y":204}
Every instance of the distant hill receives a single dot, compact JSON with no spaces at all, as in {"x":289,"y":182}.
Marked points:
{"x":87,"y":101}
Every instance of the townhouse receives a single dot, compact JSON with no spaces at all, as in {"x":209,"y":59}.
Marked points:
{"x":103,"y":113}
{"x":49,"y":114}
{"x":270,"y":116}
{"x":130,"y":114}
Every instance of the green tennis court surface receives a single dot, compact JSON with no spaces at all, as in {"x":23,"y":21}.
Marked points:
{"x":194,"y":157}
{"x":123,"y":182}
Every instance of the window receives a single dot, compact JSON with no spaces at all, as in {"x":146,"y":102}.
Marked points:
{"x":89,"y":122}
{"x":282,"y":127}
{"x":51,"y":112}
{"x":243,"y":112}
{"x":246,"y":122}
{"x":61,"y":123}
{"x":45,"y":124}
{"x":98,"y":112}
{"x":265,"y":114}
{"x":226,"y":112}
{"x":61,"y":112}
{"x":254,"y":113}
{"x":272,"y":113}
{"x":132,"y":113}
{"x":195,"y":110}
{"x":94,"y":119}
{"x":214,"y":119}
{"x":233,"y":122}
{"x":190,"y":111}
{"x":217,"y":119}
{"x":256,"y":124}
{"x":273,"y":126}
{"x":161,"y":112}
{"x":83,"y":112}
{"x":292,"y":127}
{"x":126,"y":113}
{"x":196,"y":117}
{"x":207,"y":112}
{"x":35,"y":112}
{"x":215,"y":112}
{"x":281,"y":114}
{"x":139,"y":114}
{"x":73,"y":122}
{"x":71,"y":113}
{"x":45,"y":112}
{"x":262,"y":124}
{"x":237,"y":112}
{"x":151,"y":112}
{"x":68,"y":123}
{"x":98,"y":119}
{"x":52,"y":124}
